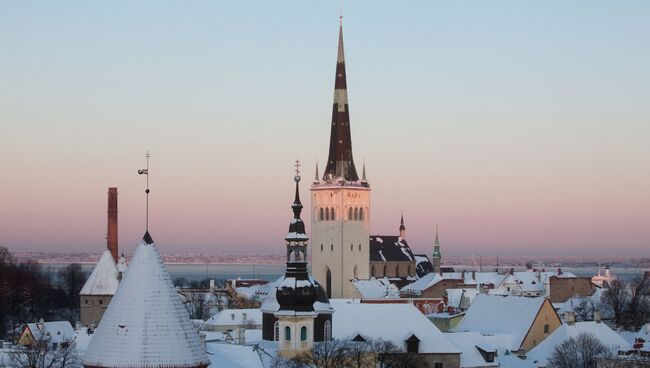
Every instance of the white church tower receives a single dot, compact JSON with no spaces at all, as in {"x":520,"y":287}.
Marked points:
{"x":340,"y":203}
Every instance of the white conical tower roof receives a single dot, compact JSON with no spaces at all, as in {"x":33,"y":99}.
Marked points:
{"x":103,"y":280}
{"x":145,"y":325}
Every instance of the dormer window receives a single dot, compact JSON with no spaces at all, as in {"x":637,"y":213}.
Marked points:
{"x":413,"y":344}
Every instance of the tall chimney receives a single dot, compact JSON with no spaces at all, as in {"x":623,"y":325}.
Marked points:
{"x":111,"y":233}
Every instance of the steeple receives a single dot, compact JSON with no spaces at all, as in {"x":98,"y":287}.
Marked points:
{"x":340,"y":163}
{"x":436,"y":253}
{"x":316,"y":178}
{"x":402,"y":228}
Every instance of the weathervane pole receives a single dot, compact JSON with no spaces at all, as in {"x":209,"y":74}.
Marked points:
{"x":146,"y":172}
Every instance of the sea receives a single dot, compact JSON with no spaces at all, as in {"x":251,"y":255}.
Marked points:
{"x":270,"y":272}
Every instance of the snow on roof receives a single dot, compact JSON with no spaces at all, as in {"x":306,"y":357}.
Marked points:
{"x":236,"y":317}
{"x":145,"y":325}
{"x":237,"y":356}
{"x":389,"y":248}
{"x":423,"y":283}
{"x":103,"y":280}
{"x":271,"y":305}
{"x":495,"y":314}
{"x":540,"y":353}
{"x":53,"y":332}
{"x":467,"y":343}
{"x":393,"y":322}
{"x":455,"y":297}
{"x":376,"y":288}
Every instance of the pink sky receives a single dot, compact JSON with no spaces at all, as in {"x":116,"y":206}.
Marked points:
{"x":519,"y":130}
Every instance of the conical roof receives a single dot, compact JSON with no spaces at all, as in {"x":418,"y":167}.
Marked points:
{"x":145,"y":325}
{"x":103,"y":280}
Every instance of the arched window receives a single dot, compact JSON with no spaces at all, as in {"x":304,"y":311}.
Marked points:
{"x":361,"y":214}
{"x":327,"y":213}
{"x":303,"y":333}
{"x":327,"y":331}
{"x":328,"y":282}
{"x":287,"y":333}
{"x":350,"y":214}
{"x":351,"y":248}
{"x":332,"y":247}
{"x":359,"y":247}
{"x":356,"y":213}
{"x":321,"y":247}
{"x":332,"y":214}
{"x":276,"y":331}
{"x":321,"y":214}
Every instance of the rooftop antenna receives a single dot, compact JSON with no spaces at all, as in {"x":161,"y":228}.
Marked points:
{"x":146,"y":172}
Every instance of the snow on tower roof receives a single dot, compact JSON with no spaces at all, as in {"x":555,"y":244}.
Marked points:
{"x":145,"y":325}
{"x":103,"y":280}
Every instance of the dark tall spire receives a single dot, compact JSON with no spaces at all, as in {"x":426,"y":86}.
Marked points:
{"x":340,"y":163}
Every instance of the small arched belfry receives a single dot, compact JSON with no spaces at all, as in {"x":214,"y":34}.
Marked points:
{"x":298,"y":313}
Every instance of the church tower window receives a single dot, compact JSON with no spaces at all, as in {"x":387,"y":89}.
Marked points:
{"x":327,"y":213}
{"x":361,"y":214}
{"x":287,"y":333}
{"x":303,"y":333}
{"x":350,"y":214}
{"x":356,"y":214}
{"x":321,"y":214}
{"x":328,"y":331}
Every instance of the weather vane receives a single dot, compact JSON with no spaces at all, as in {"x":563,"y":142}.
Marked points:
{"x":297,"y":166}
{"x":341,"y":16}
{"x":146,"y":172}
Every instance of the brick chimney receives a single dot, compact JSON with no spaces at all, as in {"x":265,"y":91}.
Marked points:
{"x":111,"y":233}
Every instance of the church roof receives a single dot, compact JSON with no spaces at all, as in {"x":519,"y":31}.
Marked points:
{"x":145,"y":325}
{"x":389,"y":248}
{"x":103,"y":280}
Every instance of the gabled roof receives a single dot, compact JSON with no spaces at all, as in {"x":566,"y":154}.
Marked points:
{"x":392,"y":322}
{"x":103,"y":280}
{"x":540,"y":353}
{"x":145,"y":325}
{"x":52,"y":332}
{"x":422,"y":265}
{"x":496,"y":314}
{"x":389,"y":248}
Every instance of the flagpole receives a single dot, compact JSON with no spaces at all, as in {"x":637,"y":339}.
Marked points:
{"x":147,"y":192}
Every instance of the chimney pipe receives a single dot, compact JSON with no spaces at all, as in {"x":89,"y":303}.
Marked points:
{"x":559,"y":271}
{"x":111,"y":234}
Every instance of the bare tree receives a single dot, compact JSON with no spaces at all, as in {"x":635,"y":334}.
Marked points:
{"x":615,"y":300}
{"x":578,"y":352}
{"x":584,"y":310}
{"x":196,"y":304}
{"x":44,"y":355}
{"x":638,"y":312}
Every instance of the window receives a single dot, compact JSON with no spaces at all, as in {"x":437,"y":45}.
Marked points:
{"x":287,"y":333}
{"x":303,"y":333}
{"x":351,"y":247}
{"x":328,"y":283}
{"x":361,"y":214}
{"x":350,"y":214}
{"x":321,"y":247}
{"x":333,"y":216}
{"x":86,"y":301}
{"x":546,"y":329}
{"x":356,"y":214}
{"x":332,"y":247}
{"x":276,"y":331}
{"x":327,"y":331}
{"x":327,"y":214}
{"x":355,"y":271}
{"x":321,"y":214}
{"x":359,"y":247}
{"x":101,"y":302}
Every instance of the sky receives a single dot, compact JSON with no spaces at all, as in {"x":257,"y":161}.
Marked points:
{"x":521,"y":128}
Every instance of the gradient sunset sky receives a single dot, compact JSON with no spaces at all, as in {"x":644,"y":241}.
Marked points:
{"x":521,"y":128}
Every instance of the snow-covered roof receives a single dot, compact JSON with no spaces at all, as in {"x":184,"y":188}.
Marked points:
{"x":393,"y":322}
{"x":423,"y":283}
{"x":455,"y":297}
{"x":145,"y":325}
{"x":376,"y":288}
{"x":495,"y":314}
{"x":54,"y":332}
{"x":467,"y":342}
{"x":390,"y":248}
{"x":236,"y":317}
{"x":540,"y":353}
{"x":258,"y":355}
{"x":103,"y":280}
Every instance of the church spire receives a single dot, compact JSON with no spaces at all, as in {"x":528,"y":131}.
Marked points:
{"x":340,"y":163}
{"x":436,"y":253}
{"x":402,"y":228}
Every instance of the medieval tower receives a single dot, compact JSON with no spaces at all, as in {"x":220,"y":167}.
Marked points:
{"x":340,"y":203}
